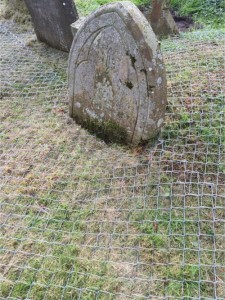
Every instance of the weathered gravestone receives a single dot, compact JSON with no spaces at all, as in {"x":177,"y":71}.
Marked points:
{"x":117,"y":81}
{"x":161,"y":19}
{"x":52,"y":21}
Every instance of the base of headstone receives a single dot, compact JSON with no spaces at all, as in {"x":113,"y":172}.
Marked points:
{"x":166,"y":25}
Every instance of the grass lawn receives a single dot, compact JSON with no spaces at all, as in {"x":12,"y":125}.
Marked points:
{"x":85,"y":7}
{"x":81,"y":219}
{"x":204,"y":12}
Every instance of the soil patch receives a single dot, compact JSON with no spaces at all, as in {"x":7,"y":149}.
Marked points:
{"x":183,"y":23}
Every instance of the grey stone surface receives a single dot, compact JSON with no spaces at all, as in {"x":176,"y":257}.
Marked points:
{"x":52,"y":21}
{"x":161,"y":19}
{"x":76,"y":25}
{"x":117,"y":80}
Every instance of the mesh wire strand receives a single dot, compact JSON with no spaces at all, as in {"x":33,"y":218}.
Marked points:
{"x":84,"y":220}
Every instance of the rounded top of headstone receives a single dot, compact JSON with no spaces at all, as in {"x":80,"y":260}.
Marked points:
{"x":117,"y":81}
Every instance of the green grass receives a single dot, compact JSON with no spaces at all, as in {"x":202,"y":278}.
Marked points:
{"x":85,"y":220}
{"x":207,"y":12}
{"x":86,"y":7}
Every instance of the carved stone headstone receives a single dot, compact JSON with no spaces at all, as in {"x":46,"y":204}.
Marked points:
{"x":161,"y":19}
{"x":117,"y":81}
{"x":52,"y":21}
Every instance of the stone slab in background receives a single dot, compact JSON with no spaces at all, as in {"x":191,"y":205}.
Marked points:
{"x":117,"y":81}
{"x":161,"y":19}
{"x":52,"y":20}
{"x":76,"y":25}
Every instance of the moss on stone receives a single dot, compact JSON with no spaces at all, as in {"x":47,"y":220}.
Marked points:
{"x":109,"y":131}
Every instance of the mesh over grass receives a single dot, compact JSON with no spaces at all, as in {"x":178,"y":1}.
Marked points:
{"x":16,"y":10}
{"x":84,"y":220}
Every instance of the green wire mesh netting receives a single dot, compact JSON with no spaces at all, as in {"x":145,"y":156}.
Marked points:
{"x":84,"y":220}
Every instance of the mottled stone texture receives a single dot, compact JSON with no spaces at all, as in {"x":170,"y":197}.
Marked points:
{"x":161,"y":20}
{"x":77,"y":25}
{"x":116,"y":74}
{"x":52,"y":21}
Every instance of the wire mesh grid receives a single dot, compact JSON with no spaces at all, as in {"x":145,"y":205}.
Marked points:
{"x":84,"y":220}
